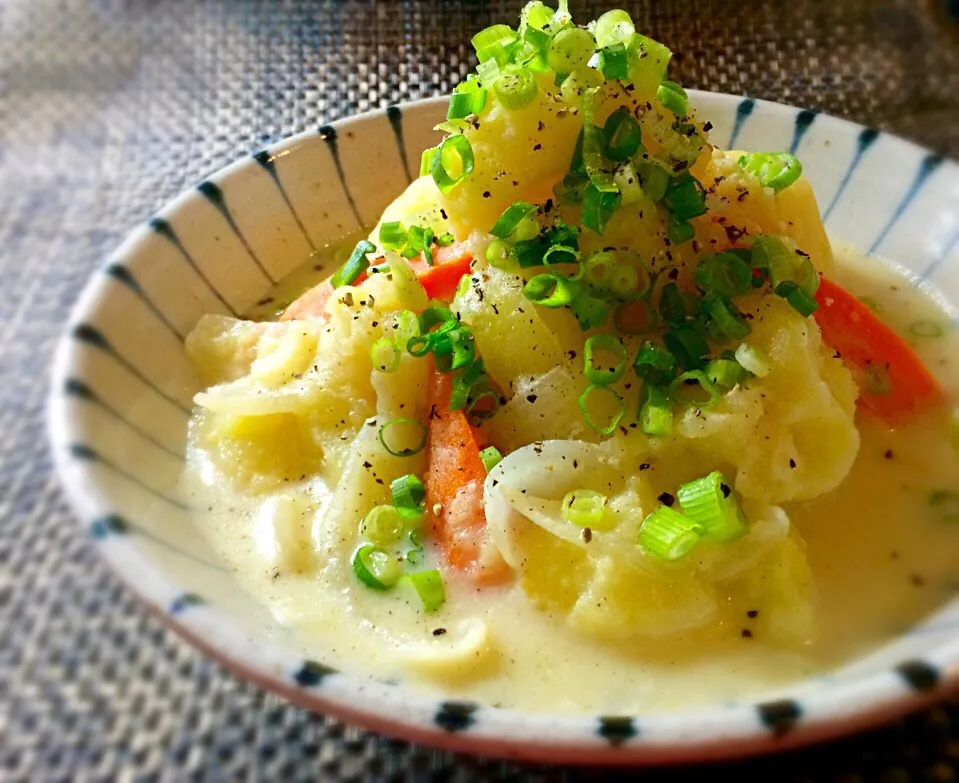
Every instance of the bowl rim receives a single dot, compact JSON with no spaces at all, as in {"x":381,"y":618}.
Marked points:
{"x":698,"y":734}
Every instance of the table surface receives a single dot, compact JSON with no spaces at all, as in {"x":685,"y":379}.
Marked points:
{"x":108,"y":108}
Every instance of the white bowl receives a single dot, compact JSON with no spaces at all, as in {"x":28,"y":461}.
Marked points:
{"x":122,"y":390}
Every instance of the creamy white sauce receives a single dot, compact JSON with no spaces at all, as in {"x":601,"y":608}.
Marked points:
{"x":881,"y":556}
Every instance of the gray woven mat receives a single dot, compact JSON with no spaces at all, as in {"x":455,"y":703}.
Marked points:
{"x":108,"y":109}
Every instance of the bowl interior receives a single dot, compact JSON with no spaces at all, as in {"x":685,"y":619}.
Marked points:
{"x":123,"y":391}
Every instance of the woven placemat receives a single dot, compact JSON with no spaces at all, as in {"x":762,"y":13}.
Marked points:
{"x":108,"y":109}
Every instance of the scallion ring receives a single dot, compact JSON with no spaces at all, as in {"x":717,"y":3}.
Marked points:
{"x":454,"y":153}
{"x":596,"y":373}
{"x":926,"y":329}
{"x":376,"y":569}
{"x":515,"y":87}
{"x":384,"y":526}
{"x":674,"y":98}
{"x":621,"y":135}
{"x":695,"y":389}
{"x":666,"y":534}
{"x":724,"y":273}
{"x":726,"y":372}
{"x":548,"y":290}
{"x":711,"y":503}
{"x":726,"y":316}
{"x":587,"y":508}
{"x":510,"y":219}
{"x":754,"y":359}
{"x":386,"y":355}
{"x":392,"y":236}
{"x":655,"y":411}
{"x":409,"y":496}
{"x":570,"y":49}
{"x":428,"y":585}
{"x":355,"y":265}
{"x":654,"y":364}
{"x":776,"y":170}
{"x":491,"y":457}
{"x":403,"y":437}
{"x":608,"y":398}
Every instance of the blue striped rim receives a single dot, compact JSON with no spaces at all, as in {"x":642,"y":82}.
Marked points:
{"x":77,"y":388}
{"x":866,"y":139}
{"x":184,"y":602}
{"x":928,"y":165}
{"x":743,"y":110}
{"x":804,"y":119}
{"x":164,"y":229}
{"x":395,"y":115}
{"x":214,"y":194}
{"x":83,"y":452}
{"x":328,"y":134}
{"x":94,"y":337}
{"x":268,"y":162}
{"x":947,"y":251}
{"x":123,"y":275}
{"x":114,"y":524}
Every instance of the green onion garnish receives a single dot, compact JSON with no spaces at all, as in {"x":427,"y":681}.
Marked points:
{"x":655,"y":411}
{"x":654,"y":364}
{"x":754,"y":359}
{"x":621,"y":135}
{"x":355,"y":266}
{"x":403,"y":437}
{"x":376,"y":569}
{"x":454,"y":153}
{"x":599,"y":375}
{"x":784,"y":264}
{"x":589,"y":311}
{"x":800,"y":301}
{"x":586,"y":508}
{"x":724,"y":273}
{"x":419,"y":240}
{"x":674,"y":98}
{"x":926,"y":329}
{"x":426,"y":160}
{"x":570,"y":49}
{"x":467,"y":99}
{"x":548,"y":290}
{"x":672,"y":306}
{"x":668,"y":535}
{"x":560,"y":254}
{"x":515,"y":87}
{"x":613,"y":27}
{"x":491,"y":457}
{"x":726,"y":372}
{"x":392,"y":236}
{"x":776,"y":170}
{"x":711,"y":503}
{"x":514,"y":215}
{"x":429,"y":587}
{"x":435,"y":316}
{"x":614,"y":61}
{"x":726,"y":316}
{"x":685,"y":198}
{"x":648,"y":60}
{"x":654,"y":181}
{"x":608,"y":396}
{"x":383,"y":525}
{"x":409,"y":496}
{"x":687,"y":343}
{"x":494,"y":40}
{"x":386,"y":355}
{"x":679,"y":232}
{"x":695,"y":388}
{"x":598,"y":207}
{"x":877,"y":379}
{"x":498,"y":253}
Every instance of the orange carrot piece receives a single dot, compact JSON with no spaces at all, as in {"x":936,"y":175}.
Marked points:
{"x":441,"y":278}
{"x":867,"y":344}
{"x":312,"y":304}
{"x":454,"y":488}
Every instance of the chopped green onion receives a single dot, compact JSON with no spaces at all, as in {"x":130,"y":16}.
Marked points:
{"x":376,"y":569}
{"x":687,"y":343}
{"x":570,"y":49}
{"x":926,"y":329}
{"x":392,"y":236}
{"x":467,"y":385}
{"x":483,"y":413}
{"x":614,"y":61}
{"x":609,"y":396}
{"x":711,"y":503}
{"x":415,"y":554}
{"x":419,"y":240}
{"x":586,"y":508}
{"x":487,"y":72}
{"x":426,"y":160}
{"x":445,"y":240}
{"x":383,"y":525}
{"x":404,"y":324}
{"x":674,"y":98}
{"x":726,"y":372}
{"x":668,"y":535}
{"x":515,"y":87}
{"x":613,"y":27}
{"x":409,"y":496}
{"x":489,"y":42}
{"x":457,"y":343}
{"x":784,"y":264}
{"x":655,"y":411}
{"x":877,"y":379}
{"x":535,"y":15}
{"x":654,"y":181}
{"x":599,"y":375}
{"x":754,"y":359}
{"x":654,"y":364}
{"x":437,"y":315}
{"x":514,"y":215}
{"x":598,"y":207}
{"x":490,"y":457}
{"x":724,"y":273}
{"x":589,"y":311}
{"x":466,"y":104}
{"x":597,"y":270}
{"x":355,"y":266}
{"x":418,"y":346}
{"x":629,"y":279}
{"x":455,"y":152}
{"x":429,"y":587}
{"x":621,"y":135}
{"x":672,"y":306}
{"x":560,"y":254}
{"x":386,"y":355}
{"x":685,"y":198}
{"x":550,"y":290}
{"x":679,"y":232}
{"x":648,"y":60}
{"x":800,"y":301}
{"x":398,"y":438}
{"x":776,"y":170}
{"x":497,"y":254}
{"x":695,"y":388}
{"x":578,"y":83}
{"x":726,"y":316}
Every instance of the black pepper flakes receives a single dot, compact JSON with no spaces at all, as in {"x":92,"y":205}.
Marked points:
{"x":645,"y":466}
{"x":792,"y":463}
{"x":439,"y":632}
{"x":752,"y":614}
{"x":531,"y":398}
{"x":747,"y":634}
{"x":587,"y":534}
{"x":666,"y":499}
{"x":888,"y":454}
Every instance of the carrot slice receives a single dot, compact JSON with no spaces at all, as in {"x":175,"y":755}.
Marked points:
{"x":312,"y":304}
{"x":441,"y":278}
{"x":905,"y":388}
{"x":454,"y":492}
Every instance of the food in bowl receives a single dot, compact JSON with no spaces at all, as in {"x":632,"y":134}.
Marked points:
{"x":594,"y":420}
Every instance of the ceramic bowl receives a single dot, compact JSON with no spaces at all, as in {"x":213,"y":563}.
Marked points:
{"x":122,"y":391}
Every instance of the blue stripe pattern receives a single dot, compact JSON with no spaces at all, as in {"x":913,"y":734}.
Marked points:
{"x":395,"y":115}
{"x":928,"y":165}
{"x":268,"y":162}
{"x":83,"y":452}
{"x":215,"y":196}
{"x":328,"y":134}
{"x":92,"y":336}
{"x":866,"y":139}
{"x":743,"y":110}
{"x":164,"y":229}
{"x":115,"y":525}
{"x":122,"y":275}
{"x":804,"y":119}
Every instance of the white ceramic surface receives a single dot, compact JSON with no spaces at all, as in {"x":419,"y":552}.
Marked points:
{"x":122,"y":391}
